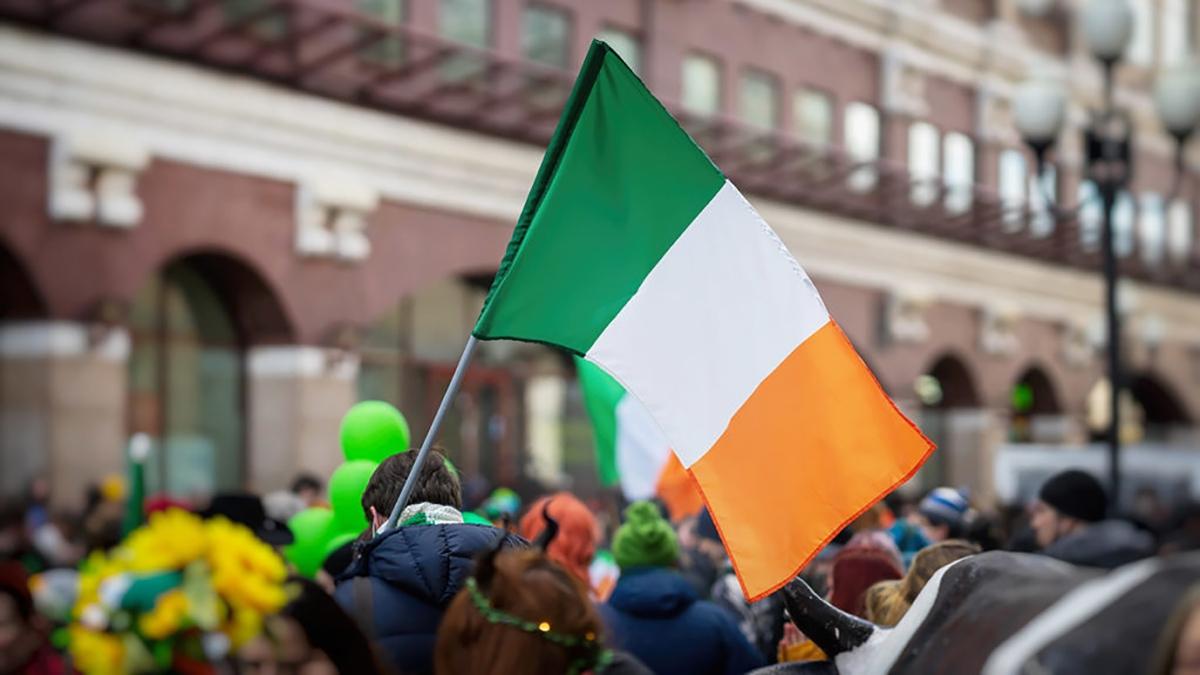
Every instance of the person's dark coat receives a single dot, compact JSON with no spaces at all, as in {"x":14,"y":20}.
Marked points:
{"x":655,"y":614}
{"x":1107,"y":544}
{"x":403,"y":581}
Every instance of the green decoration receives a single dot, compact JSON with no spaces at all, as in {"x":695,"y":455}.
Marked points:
{"x":595,"y":656}
{"x":472,"y":518}
{"x":310,"y":528}
{"x":346,"y":487}
{"x":373,"y":430}
{"x":1022,"y":398}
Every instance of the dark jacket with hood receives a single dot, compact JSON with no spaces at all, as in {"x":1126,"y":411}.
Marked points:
{"x":403,"y":581}
{"x":1107,"y":544}
{"x":655,"y":614}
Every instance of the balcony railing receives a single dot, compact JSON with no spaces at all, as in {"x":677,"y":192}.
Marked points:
{"x":328,"y":48}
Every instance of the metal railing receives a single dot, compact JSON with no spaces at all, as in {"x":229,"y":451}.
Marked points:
{"x":328,"y":48}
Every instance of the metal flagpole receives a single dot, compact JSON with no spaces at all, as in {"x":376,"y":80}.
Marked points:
{"x":451,"y":392}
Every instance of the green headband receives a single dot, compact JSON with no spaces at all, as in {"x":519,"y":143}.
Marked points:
{"x":597,"y":656}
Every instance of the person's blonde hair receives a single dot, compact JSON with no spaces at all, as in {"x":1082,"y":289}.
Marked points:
{"x":888,"y":601}
{"x":885,"y":604}
{"x":931,"y":559}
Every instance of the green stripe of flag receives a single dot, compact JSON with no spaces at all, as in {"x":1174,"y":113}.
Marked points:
{"x":601,"y":394}
{"x":618,"y":184}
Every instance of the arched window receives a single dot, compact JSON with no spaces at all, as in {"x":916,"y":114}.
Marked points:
{"x":1033,"y":403}
{"x":186,"y":384}
{"x":190,"y":327}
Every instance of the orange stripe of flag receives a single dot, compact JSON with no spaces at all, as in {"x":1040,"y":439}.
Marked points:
{"x":816,"y":444}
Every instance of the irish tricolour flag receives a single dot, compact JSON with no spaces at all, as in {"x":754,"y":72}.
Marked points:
{"x":631,"y":451}
{"x":634,"y":252}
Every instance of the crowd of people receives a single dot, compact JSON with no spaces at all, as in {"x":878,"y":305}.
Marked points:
{"x":550,"y":588}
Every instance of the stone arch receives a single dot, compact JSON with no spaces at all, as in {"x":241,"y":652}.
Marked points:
{"x":256,"y":306}
{"x":956,"y":384}
{"x":1162,"y":410}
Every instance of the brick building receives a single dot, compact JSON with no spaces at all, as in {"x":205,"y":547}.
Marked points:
{"x":223,"y":221}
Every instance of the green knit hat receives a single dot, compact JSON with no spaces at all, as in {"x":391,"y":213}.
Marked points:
{"x":645,"y":540}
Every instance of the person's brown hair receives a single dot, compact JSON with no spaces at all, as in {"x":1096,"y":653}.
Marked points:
{"x":931,"y":559}
{"x":528,"y":585}
{"x":436,"y":484}
{"x":1163,"y":657}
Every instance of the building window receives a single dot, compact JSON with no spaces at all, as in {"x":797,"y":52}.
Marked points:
{"x":923,"y":161}
{"x":1141,"y":47}
{"x":958,"y":171}
{"x":1152,"y":228}
{"x":1013,"y":183}
{"x":758,"y":99}
{"x":385,"y":50}
{"x":466,"y":22}
{"x":1180,"y":235}
{"x":1124,"y":221}
{"x":626,"y":45}
{"x":812,"y":117}
{"x":701,"y":85}
{"x":1177,"y":22}
{"x":862,"y":144}
{"x":1043,"y":192}
{"x":186,"y":383}
{"x":270,"y":26}
{"x":546,"y":35}
{"x":1091,"y":216}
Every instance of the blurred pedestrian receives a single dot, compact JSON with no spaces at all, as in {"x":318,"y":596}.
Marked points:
{"x":401,"y":583}
{"x":761,"y":622}
{"x":1068,"y":518}
{"x":501,"y":508}
{"x":24,"y":637}
{"x":522,"y":613}
{"x":657,"y":616}
{"x":311,"y":635}
{"x":309,"y":489}
{"x":942,"y":514}
{"x":574,"y":545}
{"x":857,"y":568}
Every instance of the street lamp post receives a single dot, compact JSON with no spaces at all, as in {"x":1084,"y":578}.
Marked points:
{"x":1039,"y":112}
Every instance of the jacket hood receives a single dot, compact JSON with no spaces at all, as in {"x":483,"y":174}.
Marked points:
{"x":429,"y":562}
{"x":1108,"y":544}
{"x":652,"y":593}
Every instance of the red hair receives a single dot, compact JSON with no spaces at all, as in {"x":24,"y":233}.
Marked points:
{"x":578,"y":532}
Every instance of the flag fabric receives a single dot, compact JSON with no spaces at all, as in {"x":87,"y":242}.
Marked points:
{"x":634,"y":252}
{"x":631,"y":451}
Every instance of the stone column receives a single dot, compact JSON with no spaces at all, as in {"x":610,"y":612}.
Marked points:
{"x":296,"y":397}
{"x":62,"y":405}
{"x":972,"y":437}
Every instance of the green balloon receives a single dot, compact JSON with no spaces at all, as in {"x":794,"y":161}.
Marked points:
{"x":310,"y":529}
{"x":373,"y":430}
{"x":346,"y":487}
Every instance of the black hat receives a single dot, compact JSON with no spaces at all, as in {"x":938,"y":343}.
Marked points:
{"x":1076,"y":494}
{"x":247,"y":509}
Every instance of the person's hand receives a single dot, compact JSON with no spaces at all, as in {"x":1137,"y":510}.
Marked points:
{"x":792,"y":637}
